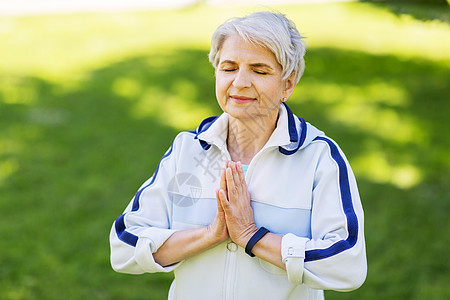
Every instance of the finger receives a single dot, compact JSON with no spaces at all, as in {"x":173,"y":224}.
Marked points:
{"x":231,"y":189}
{"x":223,"y":181}
{"x":223,"y":200}
{"x":240,"y":172}
{"x":236,"y":178}
{"x":219,"y":204}
{"x":242,"y":178}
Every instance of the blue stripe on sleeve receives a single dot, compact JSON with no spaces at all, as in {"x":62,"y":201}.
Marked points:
{"x":120,"y":226}
{"x":124,"y":235}
{"x":347,"y":204}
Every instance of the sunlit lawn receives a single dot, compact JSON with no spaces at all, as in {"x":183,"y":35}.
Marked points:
{"x":89,"y":103}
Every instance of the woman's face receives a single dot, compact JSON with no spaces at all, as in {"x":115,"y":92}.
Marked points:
{"x":249,"y":82}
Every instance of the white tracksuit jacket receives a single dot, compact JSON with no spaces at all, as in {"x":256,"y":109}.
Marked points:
{"x":301,"y":187}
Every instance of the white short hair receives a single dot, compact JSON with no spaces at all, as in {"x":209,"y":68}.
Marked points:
{"x":268,"y":29}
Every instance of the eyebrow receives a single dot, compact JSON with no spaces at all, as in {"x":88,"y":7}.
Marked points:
{"x":232,"y":62}
{"x":255,"y":65}
{"x":261,"y":65}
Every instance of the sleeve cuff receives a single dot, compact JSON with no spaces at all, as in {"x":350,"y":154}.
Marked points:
{"x":148,"y":243}
{"x":293,"y":256}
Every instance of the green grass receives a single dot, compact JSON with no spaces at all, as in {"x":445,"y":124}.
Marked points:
{"x":89,"y":103}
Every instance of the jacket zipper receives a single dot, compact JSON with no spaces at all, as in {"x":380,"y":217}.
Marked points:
{"x":230,"y":275}
{"x":231,"y":257}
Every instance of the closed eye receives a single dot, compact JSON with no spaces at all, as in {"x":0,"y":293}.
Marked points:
{"x":261,"y":72}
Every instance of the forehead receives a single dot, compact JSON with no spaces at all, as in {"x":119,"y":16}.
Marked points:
{"x":236,"y":49}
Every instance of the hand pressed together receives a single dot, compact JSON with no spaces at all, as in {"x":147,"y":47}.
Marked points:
{"x":233,"y":204}
{"x":234,"y":219}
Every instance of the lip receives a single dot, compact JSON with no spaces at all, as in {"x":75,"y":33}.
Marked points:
{"x":241,"y":99}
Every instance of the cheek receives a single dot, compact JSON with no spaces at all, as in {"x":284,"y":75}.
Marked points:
{"x":218,"y":88}
{"x":220,"y":92}
{"x":221,"y":87}
{"x":276,"y":88}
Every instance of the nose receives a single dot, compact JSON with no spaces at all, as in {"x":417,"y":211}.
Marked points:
{"x":242,"y":79}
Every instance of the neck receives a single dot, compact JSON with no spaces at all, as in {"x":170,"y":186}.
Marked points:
{"x":246,"y":137}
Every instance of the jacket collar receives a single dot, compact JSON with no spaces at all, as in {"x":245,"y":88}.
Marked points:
{"x":214,"y":131}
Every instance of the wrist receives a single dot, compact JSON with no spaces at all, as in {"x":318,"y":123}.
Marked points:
{"x":213,"y":237}
{"x":255,"y":239}
{"x":247,"y":236}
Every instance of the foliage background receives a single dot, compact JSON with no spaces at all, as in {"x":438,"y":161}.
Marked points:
{"x":90,"y":102}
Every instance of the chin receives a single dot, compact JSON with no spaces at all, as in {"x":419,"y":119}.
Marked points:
{"x":239,"y":112}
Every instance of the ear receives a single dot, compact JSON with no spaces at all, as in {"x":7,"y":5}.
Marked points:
{"x":289,"y":86}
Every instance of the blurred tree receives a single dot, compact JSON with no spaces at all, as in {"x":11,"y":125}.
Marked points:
{"x":440,"y":2}
{"x":418,"y":9}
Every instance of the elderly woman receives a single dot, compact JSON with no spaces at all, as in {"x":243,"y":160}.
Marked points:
{"x":255,"y":203}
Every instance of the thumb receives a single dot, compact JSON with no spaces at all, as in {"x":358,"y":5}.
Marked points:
{"x":222,"y":199}
{"x":219,"y":204}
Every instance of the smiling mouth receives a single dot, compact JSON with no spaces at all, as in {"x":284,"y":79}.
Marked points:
{"x":242,"y":99}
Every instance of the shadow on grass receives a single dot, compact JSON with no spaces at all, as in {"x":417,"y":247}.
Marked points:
{"x":71,"y":159}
